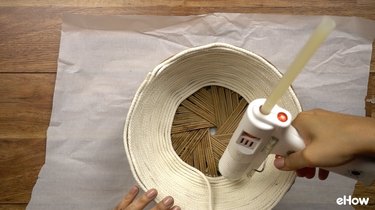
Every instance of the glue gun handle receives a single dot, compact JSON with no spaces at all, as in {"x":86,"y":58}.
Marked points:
{"x":360,"y":168}
{"x":289,"y":141}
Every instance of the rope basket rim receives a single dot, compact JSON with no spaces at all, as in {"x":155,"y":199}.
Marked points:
{"x":161,"y":69}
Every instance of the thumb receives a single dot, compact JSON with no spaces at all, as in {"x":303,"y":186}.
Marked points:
{"x":291,"y":162}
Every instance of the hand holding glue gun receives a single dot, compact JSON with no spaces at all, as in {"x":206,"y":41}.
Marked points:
{"x":331,"y":139}
{"x":266,"y":129}
{"x":324,"y":139}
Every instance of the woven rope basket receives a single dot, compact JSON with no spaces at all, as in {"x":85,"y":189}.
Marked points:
{"x":182,"y":117}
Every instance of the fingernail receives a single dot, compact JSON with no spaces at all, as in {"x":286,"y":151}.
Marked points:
{"x":278,"y":156}
{"x":168,"y":201}
{"x":133,"y":190}
{"x":176,"y":208}
{"x":279,"y":162}
{"x":151,"y":193}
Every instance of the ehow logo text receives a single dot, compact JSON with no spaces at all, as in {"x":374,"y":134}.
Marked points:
{"x":348,"y":200}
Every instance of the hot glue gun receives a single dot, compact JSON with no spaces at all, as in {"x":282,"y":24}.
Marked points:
{"x":266,"y":128}
{"x":259,"y":135}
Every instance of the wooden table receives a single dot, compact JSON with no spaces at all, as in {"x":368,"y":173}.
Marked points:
{"x":29,"y":44}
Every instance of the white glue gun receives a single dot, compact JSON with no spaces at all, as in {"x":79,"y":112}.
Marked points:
{"x":269,"y":131}
{"x":259,"y":135}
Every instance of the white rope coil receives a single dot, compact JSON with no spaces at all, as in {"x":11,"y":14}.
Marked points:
{"x":147,"y":132}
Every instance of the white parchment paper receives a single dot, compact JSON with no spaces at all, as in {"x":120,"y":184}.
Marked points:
{"x":103,"y":60}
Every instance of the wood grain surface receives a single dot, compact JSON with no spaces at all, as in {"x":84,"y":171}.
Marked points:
{"x":29,"y":44}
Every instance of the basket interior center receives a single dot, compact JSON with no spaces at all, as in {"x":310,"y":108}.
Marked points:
{"x":203,"y":125}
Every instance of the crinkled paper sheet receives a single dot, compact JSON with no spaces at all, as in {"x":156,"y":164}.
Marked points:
{"x":104,"y":59}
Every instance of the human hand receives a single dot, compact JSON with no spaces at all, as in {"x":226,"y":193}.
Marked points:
{"x":331,"y":139}
{"x":129,"y":202}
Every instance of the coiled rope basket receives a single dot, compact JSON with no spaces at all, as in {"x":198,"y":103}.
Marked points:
{"x":181,"y":119}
